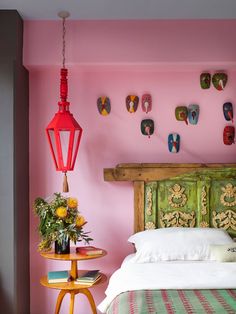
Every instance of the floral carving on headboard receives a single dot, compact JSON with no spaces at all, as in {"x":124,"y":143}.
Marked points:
{"x":228,"y":197}
{"x":150,"y":225}
{"x":224,"y":219}
{"x":149,"y":201}
{"x":177,"y":198}
{"x":204,"y":224}
{"x":203,"y":201}
{"x":177,"y":219}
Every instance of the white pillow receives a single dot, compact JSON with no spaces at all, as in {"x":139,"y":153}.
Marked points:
{"x":224,"y":253}
{"x":167,"y":244}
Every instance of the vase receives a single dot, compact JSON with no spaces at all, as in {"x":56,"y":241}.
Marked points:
{"x":62,"y":247}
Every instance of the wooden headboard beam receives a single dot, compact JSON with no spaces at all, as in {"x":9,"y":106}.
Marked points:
{"x":152,"y":172}
{"x":138,"y":206}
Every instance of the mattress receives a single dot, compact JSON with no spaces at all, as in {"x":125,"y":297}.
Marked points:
{"x":169,"y":275}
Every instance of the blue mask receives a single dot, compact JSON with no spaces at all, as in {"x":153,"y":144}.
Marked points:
{"x":228,"y":111}
{"x":173,"y":142}
{"x":193,"y":114}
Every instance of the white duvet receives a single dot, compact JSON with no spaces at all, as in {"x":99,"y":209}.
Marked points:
{"x":169,"y":275}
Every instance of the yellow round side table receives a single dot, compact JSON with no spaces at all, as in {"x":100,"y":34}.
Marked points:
{"x":71,"y":287}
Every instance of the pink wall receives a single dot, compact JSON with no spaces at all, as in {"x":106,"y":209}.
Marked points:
{"x":132,"y":42}
{"x":142,"y":59}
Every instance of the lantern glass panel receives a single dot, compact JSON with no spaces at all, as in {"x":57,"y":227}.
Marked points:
{"x":53,"y":144}
{"x":65,"y":140}
{"x":75,"y":146}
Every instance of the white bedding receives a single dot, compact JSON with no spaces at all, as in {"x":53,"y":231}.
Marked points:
{"x":169,"y":275}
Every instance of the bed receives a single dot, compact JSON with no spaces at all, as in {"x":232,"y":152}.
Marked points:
{"x":184,"y":226}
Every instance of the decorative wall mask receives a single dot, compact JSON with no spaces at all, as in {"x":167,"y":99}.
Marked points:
{"x":146,"y":103}
{"x":228,"y":111}
{"x":193,"y":114}
{"x":228,"y":135}
{"x":181,"y":113}
{"x":205,"y":80}
{"x":132,"y":103}
{"x":147,"y":127}
{"x":219,"y":80}
{"x":104,"y":105}
{"x":173,"y":142}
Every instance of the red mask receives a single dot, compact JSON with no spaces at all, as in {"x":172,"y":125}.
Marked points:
{"x":147,"y":103}
{"x":228,"y":135}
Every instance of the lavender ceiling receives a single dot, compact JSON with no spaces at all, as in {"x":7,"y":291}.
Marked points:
{"x":123,"y":9}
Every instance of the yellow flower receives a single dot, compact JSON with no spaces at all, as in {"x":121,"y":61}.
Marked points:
{"x":72,"y":202}
{"x":61,"y":212}
{"x":80,"y":221}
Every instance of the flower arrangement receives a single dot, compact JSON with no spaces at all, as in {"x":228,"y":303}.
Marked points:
{"x":60,"y":220}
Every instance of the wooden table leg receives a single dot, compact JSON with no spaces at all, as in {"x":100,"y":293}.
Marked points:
{"x":74,"y":271}
{"x":90,"y":299}
{"x":72,"y":300}
{"x":59,"y":300}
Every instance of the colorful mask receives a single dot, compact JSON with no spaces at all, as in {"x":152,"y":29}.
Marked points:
{"x":147,"y":127}
{"x":219,"y":80}
{"x":173,"y":142}
{"x":205,"y":80}
{"x":147,"y":103}
{"x":193,"y":114}
{"x":228,"y":111}
{"x":228,"y":135}
{"x":104,"y":105}
{"x":181,"y":113}
{"x":132,"y":103}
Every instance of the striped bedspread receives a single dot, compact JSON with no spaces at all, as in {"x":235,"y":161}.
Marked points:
{"x":175,"y":302}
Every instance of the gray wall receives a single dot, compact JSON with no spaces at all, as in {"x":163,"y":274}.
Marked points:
{"x":14,"y":164}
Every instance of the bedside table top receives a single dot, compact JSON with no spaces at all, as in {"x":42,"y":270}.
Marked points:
{"x":73,"y":256}
{"x":71,"y":285}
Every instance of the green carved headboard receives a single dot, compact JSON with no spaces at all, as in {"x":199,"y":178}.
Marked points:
{"x":181,"y":195}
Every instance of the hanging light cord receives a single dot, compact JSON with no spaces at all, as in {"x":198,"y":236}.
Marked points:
{"x":63,"y":86}
{"x":63,"y":42}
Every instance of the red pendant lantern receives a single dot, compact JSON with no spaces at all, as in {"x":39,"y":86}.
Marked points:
{"x":64,"y":132}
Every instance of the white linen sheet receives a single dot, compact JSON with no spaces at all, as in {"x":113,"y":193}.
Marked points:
{"x":169,"y":275}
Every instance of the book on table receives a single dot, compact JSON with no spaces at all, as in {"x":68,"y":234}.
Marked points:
{"x":89,"y":277}
{"x":58,"y":276}
{"x":88,"y":250}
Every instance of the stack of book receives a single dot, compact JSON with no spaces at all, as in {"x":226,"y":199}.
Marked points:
{"x":88,"y":278}
{"x":58,"y":276}
{"x":89,"y":250}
